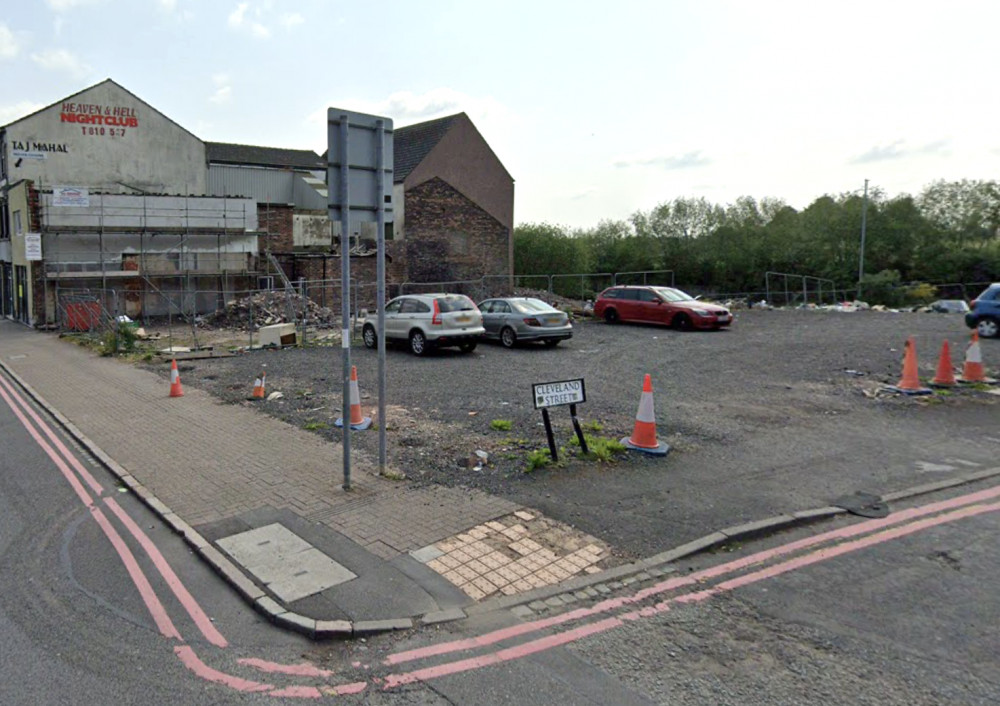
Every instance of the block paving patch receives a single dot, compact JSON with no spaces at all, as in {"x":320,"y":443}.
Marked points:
{"x":514,"y":554}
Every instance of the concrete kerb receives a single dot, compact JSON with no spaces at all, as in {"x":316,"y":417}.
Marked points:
{"x":255,"y":596}
{"x":653,"y":566}
{"x":656,"y":565}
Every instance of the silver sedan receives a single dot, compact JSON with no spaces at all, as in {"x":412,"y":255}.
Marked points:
{"x":514,"y":319}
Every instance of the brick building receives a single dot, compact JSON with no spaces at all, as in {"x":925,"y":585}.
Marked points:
{"x":102,"y":192}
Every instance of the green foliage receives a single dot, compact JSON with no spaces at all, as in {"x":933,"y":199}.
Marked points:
{"x":921,"y":293}
{"x":601,"y":448}
{"x":593,"y":426}
{"x":538,"y":459}
{"x":883,"y":288}
{"x":315,"y":426}
{"x":950,"y":232}
{"x":121,"y":339}
{"x":501,"y":425}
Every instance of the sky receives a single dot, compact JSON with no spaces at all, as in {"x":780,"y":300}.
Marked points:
{"x":597,"y":109}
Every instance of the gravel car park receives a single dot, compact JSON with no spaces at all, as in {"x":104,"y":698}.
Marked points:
{"x":785,"y":412}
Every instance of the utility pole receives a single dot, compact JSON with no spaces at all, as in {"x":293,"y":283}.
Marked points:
{"x":864,"y":221}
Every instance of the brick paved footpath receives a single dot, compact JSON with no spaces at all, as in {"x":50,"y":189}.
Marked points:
{"x":209,"y":461}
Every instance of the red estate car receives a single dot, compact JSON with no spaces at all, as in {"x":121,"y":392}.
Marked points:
{"x":659,"y":305}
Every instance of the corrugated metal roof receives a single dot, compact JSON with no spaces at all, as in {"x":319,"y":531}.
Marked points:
{"x":227,"y":153}
{"x":412,"y":143}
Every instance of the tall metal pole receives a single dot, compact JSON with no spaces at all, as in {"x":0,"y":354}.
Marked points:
{"x":345,"y":294}
{"x":380,"y":288}
{"x":864,"y":222}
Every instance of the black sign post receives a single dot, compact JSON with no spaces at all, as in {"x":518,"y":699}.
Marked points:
{"x":560,"y":394}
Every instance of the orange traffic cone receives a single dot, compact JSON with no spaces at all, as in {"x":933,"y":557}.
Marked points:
{"x":258,"y":386}
{"x":973,"y":370}
{"x":644,"y":433}
{"x":910,"y":382}
{"x":945,"y":371}
{"x":175,"y":381}
{"x":358,"y":420}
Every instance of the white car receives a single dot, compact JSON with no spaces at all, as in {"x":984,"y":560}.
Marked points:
{"x":428,"y":321}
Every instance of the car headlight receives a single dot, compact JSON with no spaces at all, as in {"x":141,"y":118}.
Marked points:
{"x":702,"y":312}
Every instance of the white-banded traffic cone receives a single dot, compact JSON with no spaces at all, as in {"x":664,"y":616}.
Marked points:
{"x":258,"y":386}
{"x":644,"y":433}
{"x":358,"y":421}
{"x":973,"y":370}
{"x":175,"y":381}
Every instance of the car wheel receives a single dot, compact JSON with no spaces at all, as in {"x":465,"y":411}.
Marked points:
{"x":551,"y":342}
{"x":369,"y":336}
{"x":467,"y":347}
{"x":507,"y":337}
{"x":682,"y":322}
{"x":988,"y":327}
{"x":418,"y":343}
{"x":611,"y":316}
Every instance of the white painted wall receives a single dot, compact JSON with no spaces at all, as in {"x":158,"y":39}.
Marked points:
{"x":105,"y":138}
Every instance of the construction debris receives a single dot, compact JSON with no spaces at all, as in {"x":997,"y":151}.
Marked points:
{"x":269,"y":308}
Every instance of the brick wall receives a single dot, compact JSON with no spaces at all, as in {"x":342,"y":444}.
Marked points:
{"x":275,"y":220}
{"x":449,"y":238}
{"x":316,"y":268}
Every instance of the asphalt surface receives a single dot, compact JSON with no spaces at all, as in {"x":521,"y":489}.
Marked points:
{"x":909,"y":621}
{"x":781,"y":413}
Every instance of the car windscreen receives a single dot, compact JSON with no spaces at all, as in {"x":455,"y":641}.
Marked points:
{"x":455,"y":303}
{"x":673,"y":295}
{"x":531,"y":306}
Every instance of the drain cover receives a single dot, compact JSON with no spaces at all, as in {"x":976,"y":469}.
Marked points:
{"x":284,"y":562}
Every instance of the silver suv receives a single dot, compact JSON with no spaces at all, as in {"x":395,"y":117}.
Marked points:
{"x":427,"y":321}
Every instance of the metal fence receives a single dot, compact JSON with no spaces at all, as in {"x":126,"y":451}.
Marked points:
{"x":789,"y":289}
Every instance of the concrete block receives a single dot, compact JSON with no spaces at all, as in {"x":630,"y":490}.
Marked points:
{"x":443,"y":616}
{"x":523,"y":612}
{"x":693,"y":547}
{"x":298,"y":623}
{"x":269,"y":607}
{"x":370,"y":627}
{"x":277,"y":335}
{"x":334,"y":628}
{"x":750,"y":529}
{"x":818,"y":512}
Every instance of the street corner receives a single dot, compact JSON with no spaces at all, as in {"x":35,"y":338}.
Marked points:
{"x":513,"y":554}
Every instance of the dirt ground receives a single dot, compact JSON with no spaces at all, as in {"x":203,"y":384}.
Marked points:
{"x":786,"y":410}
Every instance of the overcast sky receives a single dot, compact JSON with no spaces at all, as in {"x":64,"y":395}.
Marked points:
{"x":597,"y":109}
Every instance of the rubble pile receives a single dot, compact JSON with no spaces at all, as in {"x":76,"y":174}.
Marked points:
{"x":271,"y":307}
{"x":562,"y":303}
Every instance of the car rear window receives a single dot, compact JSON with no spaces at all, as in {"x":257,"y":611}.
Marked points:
{"x":456,"y":302}
{"x":528,"y":306}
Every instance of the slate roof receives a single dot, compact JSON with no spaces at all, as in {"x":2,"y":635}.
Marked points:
{"x":227,"y":153}
{"x":412,"y":143}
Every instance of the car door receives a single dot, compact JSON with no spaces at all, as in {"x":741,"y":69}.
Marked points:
{"x":392,"y":318}
{"x":649,"y":306}
{"x":410,"y":313}
{"x":490,"y":319}
{"x":501,"y":315}
{"x":628,"y":305}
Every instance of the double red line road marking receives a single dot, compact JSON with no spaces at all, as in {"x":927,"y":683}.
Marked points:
{"x":603,"y":616}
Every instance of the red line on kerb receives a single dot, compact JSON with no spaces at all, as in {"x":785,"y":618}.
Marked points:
{"x":682,"y":581}
{"x":528,"y":648}
{"x":517,"y":652}
{"x":191,"y":661}
{"x":299,"y":670}
{"x":60,"y":464}
{"x":54,"y":438}
{"x":192,"y":607}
